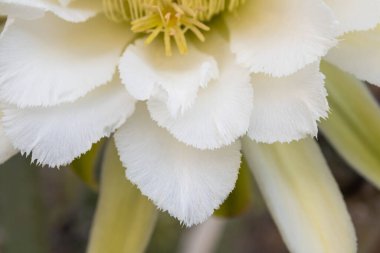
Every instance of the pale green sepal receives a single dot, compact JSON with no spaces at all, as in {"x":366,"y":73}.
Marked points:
{"x":302,"y":196}
{"x":85,"y":166}
{"x":241,"y":198}
{"x":353,"y":126}
{"x":124,"y":219}
{"x":2,"y":22}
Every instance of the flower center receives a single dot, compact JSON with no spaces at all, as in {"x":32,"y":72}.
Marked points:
{"x":171,"y":19}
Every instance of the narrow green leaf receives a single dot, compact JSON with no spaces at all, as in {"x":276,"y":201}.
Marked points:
{"x":124,"y":219}
{"x":240,"y":199}
{"x":85,"y":166}
{"x":353,"y":126}
{"x":302,"y":196}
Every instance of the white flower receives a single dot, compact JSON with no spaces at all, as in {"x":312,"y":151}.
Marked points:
{"x":53,"y":76}
{"x":181,"y":144}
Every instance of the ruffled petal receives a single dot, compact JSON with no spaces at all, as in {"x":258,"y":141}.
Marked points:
{"x":356,"y":15}
{"x":186,"y":182}
{"x":220,"y":114}
{"x":287,"y":108}
{"x":279,"y":37}
{"x":146,"y":70}
{"x":359,"y":54}
{"x":78,"y":11}
{"x":56,"y":135}
{"x":14,"y":10}
{"x":49,"y":61}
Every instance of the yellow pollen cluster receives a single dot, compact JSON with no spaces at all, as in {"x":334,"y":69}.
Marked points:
{"x":171,"y":18}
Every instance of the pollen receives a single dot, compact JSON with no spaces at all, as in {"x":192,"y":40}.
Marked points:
{"x":171,"y":20}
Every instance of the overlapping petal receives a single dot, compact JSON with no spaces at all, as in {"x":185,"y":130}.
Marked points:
{"x":56,"y":135}
{"x":220,"y":114}
{"x":288,"y":108}
{"x":20,"y":10}
{"x":359,"y":54}
{"x":187,"y":182}
{"x":279,"y":37}
{"x":78,"y":11}
{"x":355,"y":15}
{"x":49,"y":61}
{"x":146,"y":70}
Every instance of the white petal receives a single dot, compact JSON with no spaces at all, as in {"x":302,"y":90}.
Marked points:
{"x":356,"y":15}
{"x":6,"y":148}
{"x":146,"y":68}
{"x":56,"y":135}
{"x":78,"y":11}
{"x":359,"y":53}
{"x":49,"y":61}
{"x":302,"y":196}
{"x":186,"y":182}
{"x":29,"y":12}
{"x":287,"y":108}
{"x":279,"y":37}
{"x":220,"y":114}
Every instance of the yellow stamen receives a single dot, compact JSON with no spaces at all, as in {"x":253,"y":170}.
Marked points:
{"x":172,"y":18}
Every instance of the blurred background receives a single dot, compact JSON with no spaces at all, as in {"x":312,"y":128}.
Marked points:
{"x":45,"y":210}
